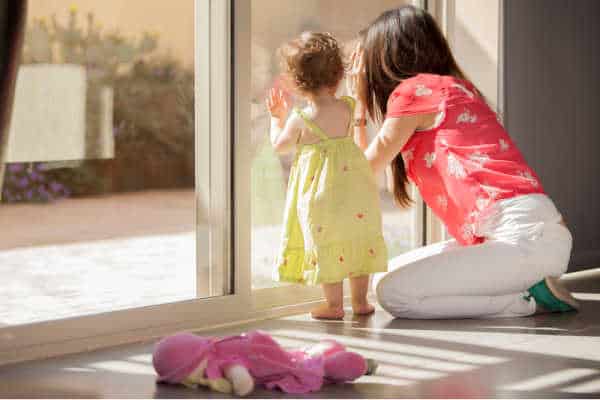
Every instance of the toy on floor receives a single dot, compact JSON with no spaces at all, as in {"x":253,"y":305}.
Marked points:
{"x":237,"y":364}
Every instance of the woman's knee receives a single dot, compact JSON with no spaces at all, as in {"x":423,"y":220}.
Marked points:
{"x":400,"y":306}
{"x":396,"y":280}
{"x":392,"y":299}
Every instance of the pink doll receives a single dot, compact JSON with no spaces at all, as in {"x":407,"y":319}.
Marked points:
{"x":239,"y":363}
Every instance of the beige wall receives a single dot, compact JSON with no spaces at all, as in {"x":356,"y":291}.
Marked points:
{"x":172,"y":20}
{"x":474,"y":39}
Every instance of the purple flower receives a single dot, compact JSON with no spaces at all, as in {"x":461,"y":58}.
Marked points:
{"x":29,"y":194}
{"x":23,"y":183}
{"x":15,"y":167}
{"x":35,"y":176}
{"x":56,"y":186}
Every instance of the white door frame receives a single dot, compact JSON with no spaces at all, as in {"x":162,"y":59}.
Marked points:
{"x":443,"y":12}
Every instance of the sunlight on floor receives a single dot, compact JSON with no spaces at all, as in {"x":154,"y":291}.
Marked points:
{"x":406,"y":363}
{"x":555,"y":378}
{"x":551,"y":344}
{"x":592,"y":386}
{"x":586,"y":296}
{"x":402,"y":348}
{"x":124,"y":367}
{"x":141,"y":358}
{"x":78,"y":369}
{"x":385,"y":380}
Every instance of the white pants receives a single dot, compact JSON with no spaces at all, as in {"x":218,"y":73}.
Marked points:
{"x":524,"y":243}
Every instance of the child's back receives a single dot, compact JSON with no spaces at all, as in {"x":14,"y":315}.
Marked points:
{"x":333,"y":117}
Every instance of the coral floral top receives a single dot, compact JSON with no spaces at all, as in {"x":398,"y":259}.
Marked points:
{"x":466,"y":161}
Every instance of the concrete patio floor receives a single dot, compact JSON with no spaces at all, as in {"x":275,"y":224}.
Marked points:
{"x":90,"y":255}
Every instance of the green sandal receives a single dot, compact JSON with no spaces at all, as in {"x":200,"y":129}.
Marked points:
{"x":550,"y":294}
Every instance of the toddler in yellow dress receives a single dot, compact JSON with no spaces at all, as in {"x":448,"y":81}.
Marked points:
{"x":332,"y":221}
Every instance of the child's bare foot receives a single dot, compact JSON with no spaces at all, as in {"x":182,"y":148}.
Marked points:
{"x":363,"y":308}
{"x":359,"y":286}
{"x":326,"y":312}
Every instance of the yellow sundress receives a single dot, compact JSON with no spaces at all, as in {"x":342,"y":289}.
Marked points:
{"x":332,"y":219}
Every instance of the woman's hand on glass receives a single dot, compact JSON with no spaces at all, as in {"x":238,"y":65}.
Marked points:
{"x":357,"y":85}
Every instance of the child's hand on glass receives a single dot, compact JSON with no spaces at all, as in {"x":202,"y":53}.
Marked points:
{"x":277,"y":104}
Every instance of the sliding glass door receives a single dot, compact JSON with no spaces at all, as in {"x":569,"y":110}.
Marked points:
{"x":142,"y":195}
{"x":116,"y":202}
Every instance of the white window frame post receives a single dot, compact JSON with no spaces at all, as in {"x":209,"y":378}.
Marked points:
{"x":213,"y":143}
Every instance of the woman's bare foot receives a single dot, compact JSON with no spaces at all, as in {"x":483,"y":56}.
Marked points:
{"x":363,"y":308}
{"x":561,"y":292}
{"x":324,"y":311}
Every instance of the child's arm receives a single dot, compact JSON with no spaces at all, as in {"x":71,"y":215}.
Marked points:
{"x":284,"y":138}
{"x":284,"y":134}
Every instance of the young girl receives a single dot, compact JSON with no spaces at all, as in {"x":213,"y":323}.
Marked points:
{"x":332,"y":215}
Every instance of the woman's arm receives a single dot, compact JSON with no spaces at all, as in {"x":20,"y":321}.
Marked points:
{"x":394,"y":132}
{"x":359,"y":124}
{"x":360,"y":136}
{"x":392,"y":136}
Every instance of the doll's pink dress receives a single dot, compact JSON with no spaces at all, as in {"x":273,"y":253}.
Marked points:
{"x":269,"y":364}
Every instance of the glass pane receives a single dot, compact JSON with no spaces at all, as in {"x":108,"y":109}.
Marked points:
{"x":98,"y":201}
{"x":273,"y":23}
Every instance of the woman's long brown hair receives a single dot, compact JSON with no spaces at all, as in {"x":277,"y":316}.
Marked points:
{"x":398,"y":45}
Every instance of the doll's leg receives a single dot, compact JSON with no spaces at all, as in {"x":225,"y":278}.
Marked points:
{"x":345,"y":366}
{"x":334,"y":309}
{"x":359,"y":286}
{"x":240,"y":378}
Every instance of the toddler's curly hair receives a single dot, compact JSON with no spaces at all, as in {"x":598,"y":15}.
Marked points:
{"x":313,"y":61}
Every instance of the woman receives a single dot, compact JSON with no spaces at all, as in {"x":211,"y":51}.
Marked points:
{"x":436,"y":129}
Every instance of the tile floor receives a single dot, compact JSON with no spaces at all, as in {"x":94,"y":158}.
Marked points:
{"x":543,"y":356}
